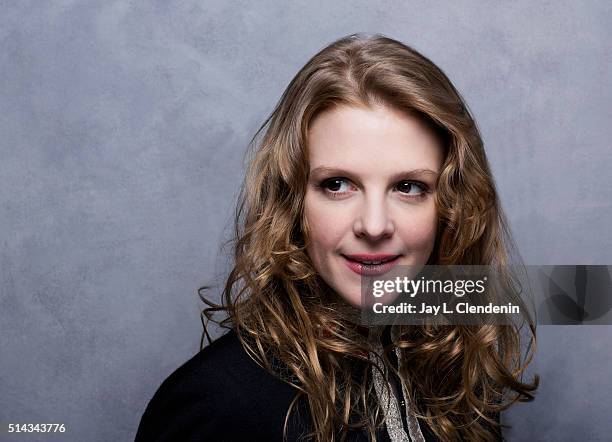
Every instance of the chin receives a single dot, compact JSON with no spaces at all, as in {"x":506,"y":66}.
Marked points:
{"x":353,"y":299}
{"x":353,"y":302}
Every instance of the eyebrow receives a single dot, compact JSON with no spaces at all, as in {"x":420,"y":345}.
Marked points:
{"x":405,"y":174}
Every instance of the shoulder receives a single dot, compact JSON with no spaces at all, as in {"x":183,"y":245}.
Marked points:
{"x":214,"y":365}
{"x":219,"y":392}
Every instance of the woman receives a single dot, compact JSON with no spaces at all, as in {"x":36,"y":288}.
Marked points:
{"x":371,"y":155}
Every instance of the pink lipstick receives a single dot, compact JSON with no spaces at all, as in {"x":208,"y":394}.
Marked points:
{"x":371,"y":264}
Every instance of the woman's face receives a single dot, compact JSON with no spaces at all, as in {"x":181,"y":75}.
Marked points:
{"x":370,"y":194}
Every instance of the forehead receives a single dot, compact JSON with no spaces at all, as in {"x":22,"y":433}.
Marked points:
{"x":372,"y":139}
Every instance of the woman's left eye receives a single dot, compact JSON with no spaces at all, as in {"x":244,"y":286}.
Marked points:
{"x":412,"y":188}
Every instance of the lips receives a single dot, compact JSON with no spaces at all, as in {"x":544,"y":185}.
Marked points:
{"x":370,"y":264}
{"x":371,"y":258}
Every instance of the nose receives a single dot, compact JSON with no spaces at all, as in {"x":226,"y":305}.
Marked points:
{"x":374,"y":221}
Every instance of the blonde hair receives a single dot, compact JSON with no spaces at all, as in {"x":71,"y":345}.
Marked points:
{"x":283,"y":309}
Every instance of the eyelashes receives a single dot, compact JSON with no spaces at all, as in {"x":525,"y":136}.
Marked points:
{"x":325,"y":184}
{"x":405,"y":187}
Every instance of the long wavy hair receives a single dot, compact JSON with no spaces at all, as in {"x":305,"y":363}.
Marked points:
{"x":459,"y":376}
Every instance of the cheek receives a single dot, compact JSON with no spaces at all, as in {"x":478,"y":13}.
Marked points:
{"x":421,"y":232}
{"x":326,"y":227}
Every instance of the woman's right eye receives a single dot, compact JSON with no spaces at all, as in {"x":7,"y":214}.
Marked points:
{"x":335,"y":186}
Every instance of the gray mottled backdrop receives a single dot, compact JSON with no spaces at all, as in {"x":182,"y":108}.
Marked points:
{"x":122,"y":132}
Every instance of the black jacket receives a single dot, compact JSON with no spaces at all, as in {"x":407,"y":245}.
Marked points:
{"x":221,"y":394}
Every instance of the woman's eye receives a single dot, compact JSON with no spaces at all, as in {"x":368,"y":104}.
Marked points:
{"x":411,"y":188}
{"x":335,"y":185}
